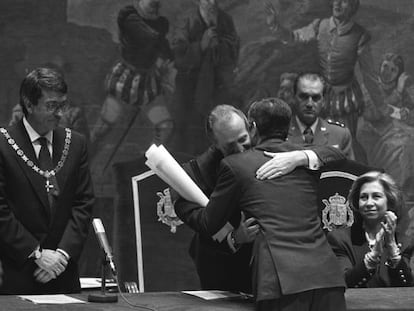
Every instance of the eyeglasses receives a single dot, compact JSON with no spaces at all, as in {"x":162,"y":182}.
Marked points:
{"x":55,"y":106}
{"x":305,"y":96}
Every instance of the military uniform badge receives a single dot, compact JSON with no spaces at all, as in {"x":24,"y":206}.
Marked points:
{"x":337,"y":123}
{"x":337,"y":213}
{"x":165,"y":211}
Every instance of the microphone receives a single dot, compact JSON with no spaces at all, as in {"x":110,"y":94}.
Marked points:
{"x":103,"y":242}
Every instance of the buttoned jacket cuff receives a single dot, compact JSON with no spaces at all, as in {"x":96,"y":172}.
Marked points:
{"x":313,"y":161}
{"x":359,"y":275}
{"x":223,"y":232}
{"x":400,"y":275}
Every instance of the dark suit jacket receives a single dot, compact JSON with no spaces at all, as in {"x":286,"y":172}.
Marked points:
{"x":291,"y":254}
{"x":26,"y":220}
{"x":326,"y":134}
{"x":217,"y":266}
{"x":350,"y":247}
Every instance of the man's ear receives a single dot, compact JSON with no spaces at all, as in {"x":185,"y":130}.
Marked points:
{"x":252,"y":128}
{"x":254,"y":133}
{"x":323,"y":103}
{"x":28,"y":105}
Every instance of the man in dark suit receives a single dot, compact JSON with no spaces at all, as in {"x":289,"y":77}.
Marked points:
{"x":220,"y":264}
{"x":46,"y":194}
{"x":293,"y":265}
{"x":307,"y":127}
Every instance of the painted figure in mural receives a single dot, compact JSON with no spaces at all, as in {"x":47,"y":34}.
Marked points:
{"x":13,"y":53}
{"x":285,"y":92}
{"x":141,"y":76}
{"x":42,"y":232}
{"x":387,"y":135}
{"x":342,"y":44}
{"x":307,"y":127}
{"x":368,"y":252}
{"x":386,"y":131}
{"x":206,"y":48}
{"x":397,"y":87}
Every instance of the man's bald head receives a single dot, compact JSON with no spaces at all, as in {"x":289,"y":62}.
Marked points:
{"x":229,"y":129}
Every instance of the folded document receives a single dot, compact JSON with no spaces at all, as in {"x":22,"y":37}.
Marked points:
{"x":214,"y":294}
{"x":51,"y":299}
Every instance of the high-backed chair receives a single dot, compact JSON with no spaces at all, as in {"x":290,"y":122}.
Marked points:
{"x":144,"y":240}
{"x":335,"y":182}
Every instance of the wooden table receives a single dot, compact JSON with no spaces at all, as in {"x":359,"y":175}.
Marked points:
{"x":384,"y":299}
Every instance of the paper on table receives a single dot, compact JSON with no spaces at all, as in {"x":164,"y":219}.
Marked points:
{"x":161,"y":162}
{"x":212,"y":294}
{"x":51,"y":299}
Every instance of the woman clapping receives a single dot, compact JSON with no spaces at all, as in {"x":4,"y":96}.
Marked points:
{"x":369,"y":252}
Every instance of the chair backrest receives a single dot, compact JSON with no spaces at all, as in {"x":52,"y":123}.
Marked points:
{"x":144,"y":246}
{"x":335,"y":182}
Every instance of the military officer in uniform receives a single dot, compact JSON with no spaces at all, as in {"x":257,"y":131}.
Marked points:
{"x":307,"y":127}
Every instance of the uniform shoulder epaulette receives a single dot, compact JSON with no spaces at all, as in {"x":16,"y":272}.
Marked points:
{"x":335,"y":123}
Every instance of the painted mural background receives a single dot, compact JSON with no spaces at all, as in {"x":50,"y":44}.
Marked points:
{"x":80,"y":37}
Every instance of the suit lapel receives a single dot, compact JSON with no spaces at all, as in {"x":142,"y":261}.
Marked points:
{"x":20,"y":136}
{"x":321,"y":135}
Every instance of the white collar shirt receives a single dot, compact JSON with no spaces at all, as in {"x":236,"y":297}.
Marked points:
{"x":34,"y":136}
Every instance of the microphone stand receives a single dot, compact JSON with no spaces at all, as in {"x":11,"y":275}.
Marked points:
{"x":102,"y":296}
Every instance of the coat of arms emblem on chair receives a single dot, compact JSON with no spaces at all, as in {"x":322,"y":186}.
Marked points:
{"x":337,"y":213}
{"x":165,"y":211}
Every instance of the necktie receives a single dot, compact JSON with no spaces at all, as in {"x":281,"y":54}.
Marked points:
{"x":46,"y":164}
{"x":45,"y":160}
{"x":308,"y":135}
